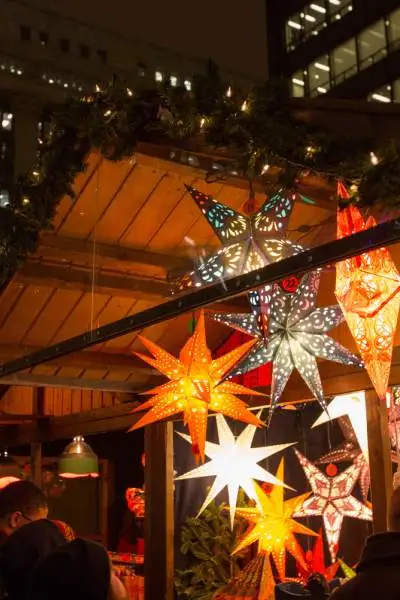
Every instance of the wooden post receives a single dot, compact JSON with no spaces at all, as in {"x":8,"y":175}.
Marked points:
{"x":379,"y":459}
{"x":159,"y":521}
{"x":36,"y":463}
{"x":36,"y":447}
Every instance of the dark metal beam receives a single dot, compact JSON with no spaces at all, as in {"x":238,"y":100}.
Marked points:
{"x":384,"y":234}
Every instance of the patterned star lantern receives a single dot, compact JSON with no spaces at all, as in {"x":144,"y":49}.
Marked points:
{"x":234,"y":462}
{"x":367,"y":289}
{"x":196,"y":385}
{"x":248,"y":242}
{"x":296,"y":337}
{"x":273,"y":526}
{"x":332,"y":500}
{"x":315,"y":561}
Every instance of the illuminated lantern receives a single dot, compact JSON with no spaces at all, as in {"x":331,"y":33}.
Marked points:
{"x":273,"y":526}
{"x":367,"y":289}
{"x":315,"y":561}
{"x":197,"y":384}
{"x":332,"y":500}
{"x":234,"y":463}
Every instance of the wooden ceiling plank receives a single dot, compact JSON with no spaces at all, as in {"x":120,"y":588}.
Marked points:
{"x":25,"y":313}
{"x":116,"y":308}
{"x":80,"y":279}
{"x":94,"y":198}
{"x":9,"y":299}
{"x":128,"y":202}
{"x":80,"y":318}
{"x":123,"y":342}
{"x":49,"y":321}
{"x":81,"y":181}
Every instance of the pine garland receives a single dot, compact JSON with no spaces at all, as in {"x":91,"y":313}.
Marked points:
{"x":258,"y":127}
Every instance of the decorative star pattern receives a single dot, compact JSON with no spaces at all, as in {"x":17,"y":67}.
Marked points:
{"x":197,"y":384}
{"x":234,"y":463}
{"x":315,"y":561}
{"x":367,"y":289}
{"x":296,"y":336}
{"x":332,"y":500}
{"x":273,"y":526}
{"x":248,"y":242}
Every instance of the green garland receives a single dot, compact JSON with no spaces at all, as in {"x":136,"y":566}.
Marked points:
{"x":259,"y":128}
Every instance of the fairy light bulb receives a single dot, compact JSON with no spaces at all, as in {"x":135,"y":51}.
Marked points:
{"x":245,"y":106}
{"x":229,"y":92}
{"x":373,"y":158}
{"x":265,"y":169}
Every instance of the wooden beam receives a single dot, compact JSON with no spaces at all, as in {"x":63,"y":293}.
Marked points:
{"x":116,"y":361}
{"x":109,"y":283}
{"x":159,"y":522}
{"x":36,"y":463}
{"x":380,"y":463}
{"x":102,"y":420}
{"x":57,"y":247}
{"x":73,"y":383}
{"x":3,"y":390}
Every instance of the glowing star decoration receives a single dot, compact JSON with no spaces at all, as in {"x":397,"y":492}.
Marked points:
{"x":353,"y":407}
{"x":248,"y":242}
{"x":367,"y":289}
{"x":295,"y":339}
{"x":332,"y":500}
{"x":234,"y":463}
{"x":315,"y":561}
{"x":196,"y":386}
{"x":273,"y":526}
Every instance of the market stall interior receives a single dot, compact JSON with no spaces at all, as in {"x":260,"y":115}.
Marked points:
{"x":241,"y":308}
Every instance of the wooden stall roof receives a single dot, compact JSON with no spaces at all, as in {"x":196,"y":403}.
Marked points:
{"x":110,"y":255}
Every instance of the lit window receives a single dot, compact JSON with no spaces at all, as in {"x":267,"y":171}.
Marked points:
{"x":173,"y":80}
{"x":344,"y":60}
{"x":319,"y":74}
{"x":372,"y":43}
{"x":188,"y":84}
{"x":4,"y":198}
{"x":298,"y":84}
{"x":6,"y":121}
{"x":394,"y":26}
{"x":159,"y":76}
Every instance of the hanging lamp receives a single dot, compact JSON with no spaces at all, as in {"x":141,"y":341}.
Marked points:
{"x":8,"y":466}
{"x":78,"y":460}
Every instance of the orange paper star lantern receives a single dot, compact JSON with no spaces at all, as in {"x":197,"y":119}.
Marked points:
{"x":196,"y":386}
{"x":367,"y":289}
{"x":273,"y":527}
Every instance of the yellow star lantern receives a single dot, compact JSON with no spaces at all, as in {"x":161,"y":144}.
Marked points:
{"x":273,"y":527}
{"x":196,"y":386}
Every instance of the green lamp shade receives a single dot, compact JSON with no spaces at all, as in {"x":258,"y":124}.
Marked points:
{"x":8,"y":466}
{"x":78,"y":460}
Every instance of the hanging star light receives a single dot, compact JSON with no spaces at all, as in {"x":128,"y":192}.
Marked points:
{"x":351,"y":406}
{"x":332,"y":500}
{"x":235,"y":464}
{"x":249,"y":242}
{"x":367,"y":289}
{"x":349,"y":451}
{"x":273,"y":526}
{"x":315,"y":561}
{"x":296,"y":337}
{"x":196,"y":385}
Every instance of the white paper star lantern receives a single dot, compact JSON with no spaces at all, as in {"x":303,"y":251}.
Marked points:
{"x":234,"y":463}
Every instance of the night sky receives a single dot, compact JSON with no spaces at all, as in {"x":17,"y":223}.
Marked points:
{"x":232,"y":32}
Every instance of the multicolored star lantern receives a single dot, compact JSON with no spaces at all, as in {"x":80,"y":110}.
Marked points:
{"x":249,"y":242}
{"x":332,"y":500}
{"x":196,"y":385}
{"x":235,"y":464}
{"x":296,"y":337}
{"x":367,"y":289}
{"x":315,"y":561}
{"x":273,"y":526}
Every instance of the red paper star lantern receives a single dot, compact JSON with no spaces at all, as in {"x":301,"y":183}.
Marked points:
{"x":315,"y":562}
{"x":197,"y":384}
{"x":367,"y":289}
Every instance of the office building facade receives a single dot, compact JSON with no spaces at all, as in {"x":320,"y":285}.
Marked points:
{"x":341,"y":48}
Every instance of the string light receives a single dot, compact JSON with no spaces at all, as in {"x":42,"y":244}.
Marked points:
{"x":202,"y":122}
{"x":129,"y":92}
{"x":107,"y":113}
{"x":229,"y":92}
{"x":265,"y":168}
{"x":97,"y":88}
{"x":245,"y":106}
{"x":25,"y":200}
{"x":373,"y":158}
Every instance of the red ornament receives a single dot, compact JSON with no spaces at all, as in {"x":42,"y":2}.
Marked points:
{"x":267,"y":488}
{"x":290,"y":284}
{"x":331,"y":470}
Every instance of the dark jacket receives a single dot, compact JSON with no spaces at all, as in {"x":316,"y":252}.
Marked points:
{"x":378,"y":573}
{"x":20,"y":553}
